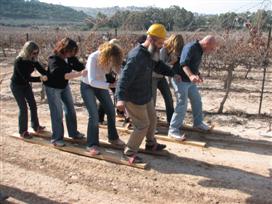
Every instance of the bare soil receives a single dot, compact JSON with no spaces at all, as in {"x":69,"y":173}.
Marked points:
{"x":232,"y":169}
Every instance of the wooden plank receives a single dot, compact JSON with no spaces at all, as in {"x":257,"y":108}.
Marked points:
{"x":165,"y":138}
{"x":141,"y":150}
{"x":192,"y":129}
{"x":186,"y":142}
{"x":106,"y":155}
{"x":103,"y":143}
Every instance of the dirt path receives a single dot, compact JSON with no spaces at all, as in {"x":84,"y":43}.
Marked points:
{"x":224,"y":172}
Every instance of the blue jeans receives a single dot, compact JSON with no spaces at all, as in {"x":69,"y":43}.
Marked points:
{"x":23,"y":95}
{"x":183,"y":91}
{"x":89,"y":95}
{"x":162,"y":85}
{"x":59,"y":100}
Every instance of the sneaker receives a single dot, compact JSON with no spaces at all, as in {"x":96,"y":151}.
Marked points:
{"x":59,"y":143}
{"x":26,"y":135}
{"x":179,"y":137}
{"x":117,"y":142}
{"x":79,"y":136}
{"x":39,"y":129}
{"x":133,"y":159}
{"x":202,"y":126}
{"x":155,"y":147}
{"x":93,"y":150}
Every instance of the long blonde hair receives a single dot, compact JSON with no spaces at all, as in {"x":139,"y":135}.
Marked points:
{"x":174,"y":44}
{"x":27,"y":50}
{"x":110,"y":54}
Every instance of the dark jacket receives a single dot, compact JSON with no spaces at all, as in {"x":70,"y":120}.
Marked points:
{"x":58,"y":67}
{"x":22,"y":71}
{"x":191,"y":56}
{"x":135,"y":81}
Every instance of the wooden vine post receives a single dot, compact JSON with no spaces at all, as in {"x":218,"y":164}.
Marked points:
{"x":264,"y":65}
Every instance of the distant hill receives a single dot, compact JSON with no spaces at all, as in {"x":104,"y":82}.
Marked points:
{"x":108,"y":11}
{"x":38,"y":11}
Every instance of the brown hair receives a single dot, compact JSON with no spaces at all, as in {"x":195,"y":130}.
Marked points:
{"x":110,"y":54}
{"x":174,"y":44}
{"x":65,"y":45}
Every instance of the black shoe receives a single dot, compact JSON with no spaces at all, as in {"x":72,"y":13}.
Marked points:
{"x":155,"y":147}
{"x":79,"y":136}
{"x":39,"y":129}
{"x":26,"y":135}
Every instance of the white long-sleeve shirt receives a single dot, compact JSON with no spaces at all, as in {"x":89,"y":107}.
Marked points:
{"x":96,"y":76}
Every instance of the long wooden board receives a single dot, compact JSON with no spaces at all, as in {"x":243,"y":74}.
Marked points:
{"x":192,"y":129}
{"x":106,"y":155}
{"x":103,"y":143}
{"x":186,"y":142}
{"x":162,"y":137}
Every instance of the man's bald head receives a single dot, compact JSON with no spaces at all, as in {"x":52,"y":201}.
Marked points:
{"x":208,"y":43}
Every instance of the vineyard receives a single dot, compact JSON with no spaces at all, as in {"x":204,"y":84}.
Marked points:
{"x":236,"y":94}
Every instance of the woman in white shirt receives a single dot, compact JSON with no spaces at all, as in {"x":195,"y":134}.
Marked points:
{"x":94,"y":86}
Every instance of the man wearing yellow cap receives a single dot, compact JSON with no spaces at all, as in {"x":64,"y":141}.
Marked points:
{"x":134,"y":91}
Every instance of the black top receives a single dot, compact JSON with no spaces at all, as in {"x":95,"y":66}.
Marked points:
{"x":58,"y":67}
{"x":135,"y":81}
{"x":23,"y":69}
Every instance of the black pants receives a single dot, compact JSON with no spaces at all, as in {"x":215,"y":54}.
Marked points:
{"x":23,"y":96}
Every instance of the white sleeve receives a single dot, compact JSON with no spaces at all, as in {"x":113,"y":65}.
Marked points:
{"x":92,"y":74}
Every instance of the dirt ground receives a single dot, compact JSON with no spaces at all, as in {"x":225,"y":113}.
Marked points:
{"x":231,"y":169}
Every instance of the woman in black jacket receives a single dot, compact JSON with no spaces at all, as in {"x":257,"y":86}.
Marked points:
{"x":63,"y":66}
{"x":24,"y":65}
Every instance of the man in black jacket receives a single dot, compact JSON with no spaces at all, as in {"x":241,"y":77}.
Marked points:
{"x":134,"y":91}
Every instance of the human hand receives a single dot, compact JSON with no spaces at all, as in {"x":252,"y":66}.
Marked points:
{"x":84,"y":73}
{"x":43,"y":78}
{"x":120,"y":105}
{"x":195,"y":78}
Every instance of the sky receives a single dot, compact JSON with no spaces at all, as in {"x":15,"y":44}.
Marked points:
{"x":199,"y":6}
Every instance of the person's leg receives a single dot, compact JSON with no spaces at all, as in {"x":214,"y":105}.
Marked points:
{"x":33,"y":108}
{"x":69,"y":110}
{"x":181,"y":91}
{"x":152,"y":117}
{"x":19,"y":95}
{"x":88,"y":96}
{"x":167,"y":96}
{"x":154,"y":89}
{"x":101,"y":113}
{"x":196,"y":104}
{"x":140,"y":121}
{"x":104,"y":97}
{"x":56,"y":112}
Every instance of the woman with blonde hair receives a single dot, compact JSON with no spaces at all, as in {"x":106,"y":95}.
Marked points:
{"x":25,"y":63}
{"x":169,"y":54}
{"x":63,"y":66}
{"x":107,"y":58}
